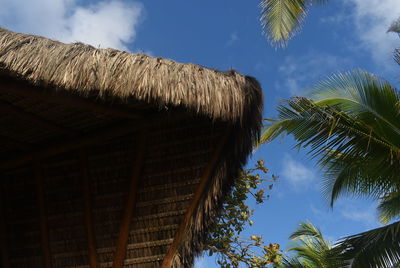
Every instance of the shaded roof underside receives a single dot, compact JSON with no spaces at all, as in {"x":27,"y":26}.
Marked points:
{"x":178,"y":148}
{"x":59,"y":102}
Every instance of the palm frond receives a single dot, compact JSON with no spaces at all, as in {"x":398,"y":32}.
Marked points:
{"x":397,"y":55}
{"x":312,"y":250}
{"x":389,"y":207}
{"x":375,"y":248}
{"x":395,"y":26}
{"x":359,"y":176}
{"x":365,"y":97}
{"x":352,"y":126}
{"x":282,"y":19}
{"x":292,"y":262}
{"x":306,"y":229}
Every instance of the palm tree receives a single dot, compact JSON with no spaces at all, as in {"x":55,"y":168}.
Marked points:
{"x":281,"y":19}
{"x":352,"y":126}
{"x":312,"y":250}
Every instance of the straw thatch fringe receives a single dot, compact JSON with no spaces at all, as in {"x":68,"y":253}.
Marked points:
{"x":233,"y":159}
{"x":85,"y":70}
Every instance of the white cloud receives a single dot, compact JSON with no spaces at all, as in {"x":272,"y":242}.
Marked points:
{"x":367,"y":216}
{"x":372,"y":18}
{"x":299,"y":73}
{"x":296,"y":173}
{"x":106,"y":24}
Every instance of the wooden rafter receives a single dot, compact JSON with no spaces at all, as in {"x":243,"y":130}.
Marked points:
{"x":5,"y":263}
{"x":44,"y":231}
{"x":56,"y":96}
{"x":201,"y":188}
{"x":130,"y":205}
{"x":106,"y":133}
{"x":35,"y":119}
{"x":89,"y":226}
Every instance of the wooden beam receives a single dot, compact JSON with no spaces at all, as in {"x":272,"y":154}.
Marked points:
{"x":130,"y":205}
{"x":44,"y":230}
{"x":57,"y":96}
{"x":37,"y":120}
{"x":89,"y":226}
{"x":201,"y":188}
{"x":5,"y":261}
{"x":106,"y":133}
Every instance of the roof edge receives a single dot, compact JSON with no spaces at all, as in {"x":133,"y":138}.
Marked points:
{"x":85,"y":70}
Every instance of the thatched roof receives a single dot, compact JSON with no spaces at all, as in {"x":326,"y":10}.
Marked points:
{"x":59,"y":100}
{"x":82,"y":68}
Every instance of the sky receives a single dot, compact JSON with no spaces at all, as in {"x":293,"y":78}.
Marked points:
{"x":226,"y":34}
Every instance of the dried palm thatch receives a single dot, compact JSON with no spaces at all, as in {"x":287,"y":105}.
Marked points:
{"x":79,"y":120}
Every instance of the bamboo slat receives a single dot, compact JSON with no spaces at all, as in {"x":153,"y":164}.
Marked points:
{"x":195,"y":201}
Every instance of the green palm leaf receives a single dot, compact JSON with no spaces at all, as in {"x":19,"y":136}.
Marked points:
{"x":389,"y":208}
{"x":352,"y":126}
{"x":365,"y":97}
{"x":281,"y":19}
{"x":312,"y":250}
{"x":375,"y":248}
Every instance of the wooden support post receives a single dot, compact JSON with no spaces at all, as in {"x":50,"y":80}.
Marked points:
{"x":130,"y":205}
{"x":44,"y":230}
{"x":59,"y":97}
{"x":5,"y":262}
{"x":204,"y":182}
{"x":89,"y":227}
{"x":8,"y":108}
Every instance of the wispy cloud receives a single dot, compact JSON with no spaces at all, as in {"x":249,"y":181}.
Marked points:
{"x":296,"y":173}
{"x":299,"y":73}
{"x":339,"y":17}
{"x":105,"y":24}
{"x":371,"y":19}
{"x":367,"y":216}
{"x":232,"y":39}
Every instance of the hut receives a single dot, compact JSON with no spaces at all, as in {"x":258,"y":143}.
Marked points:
{"x":112,"y":159}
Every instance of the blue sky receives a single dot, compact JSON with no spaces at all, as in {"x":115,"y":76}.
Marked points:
{"x":225,"y":34}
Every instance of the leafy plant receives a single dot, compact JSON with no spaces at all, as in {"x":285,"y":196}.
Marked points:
{"x":226,"y":241}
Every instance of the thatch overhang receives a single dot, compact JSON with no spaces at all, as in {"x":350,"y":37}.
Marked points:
{"x":112,"y":159}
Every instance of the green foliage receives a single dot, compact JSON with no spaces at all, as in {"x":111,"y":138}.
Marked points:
{"x":226,"y":241}
{"x":312,"y":250}
{"x":352,"y":126}
{"x":281,"y":19}
{"x":379,"y":247}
